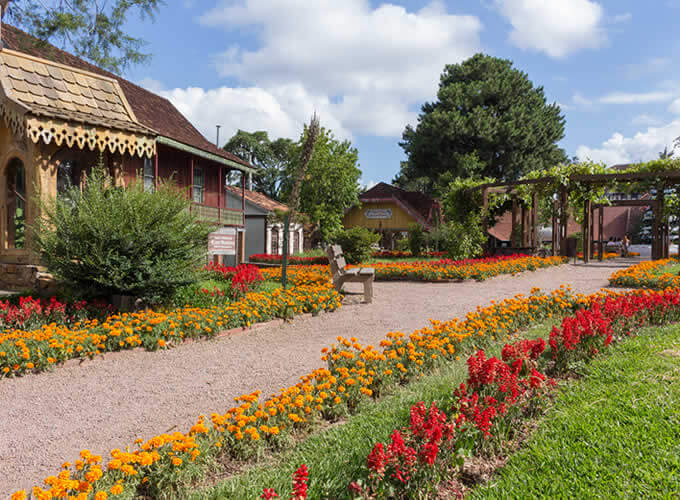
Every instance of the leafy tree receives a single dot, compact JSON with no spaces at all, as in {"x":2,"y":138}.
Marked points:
{"x":666,"y":154}
{"x":488,"y":121}
{"x":270,"y":157}
{"x":92,"y":29}
{"x":331,"y":183}
{"x":107,"y":240}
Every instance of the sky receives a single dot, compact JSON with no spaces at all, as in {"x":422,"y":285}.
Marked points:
{"x":367,"y":67}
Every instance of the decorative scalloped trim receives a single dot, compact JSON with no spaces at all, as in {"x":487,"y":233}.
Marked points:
{"x":13,"y":119}
{"x":92,"y":137}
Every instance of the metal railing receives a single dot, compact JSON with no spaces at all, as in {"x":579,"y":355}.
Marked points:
{"x":217,"y":215}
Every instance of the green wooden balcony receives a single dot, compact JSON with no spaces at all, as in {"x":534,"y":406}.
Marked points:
{"x":215,"y":215}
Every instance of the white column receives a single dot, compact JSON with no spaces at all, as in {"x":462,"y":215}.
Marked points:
{"x":268,"y":239}
{"x":279,"y":249}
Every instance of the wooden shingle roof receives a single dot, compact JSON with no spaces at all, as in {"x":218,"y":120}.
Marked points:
{"x":57,"y":91}
{"x":152,"y":111}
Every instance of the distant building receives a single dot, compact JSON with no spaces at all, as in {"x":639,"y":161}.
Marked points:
{"x":390,"y":211}
{"x":263,"y":234}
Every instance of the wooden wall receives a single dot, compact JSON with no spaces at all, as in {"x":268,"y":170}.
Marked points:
{"x":400,"y":218}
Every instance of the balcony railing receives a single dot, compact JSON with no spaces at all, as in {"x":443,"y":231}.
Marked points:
{"x":215,"y":215}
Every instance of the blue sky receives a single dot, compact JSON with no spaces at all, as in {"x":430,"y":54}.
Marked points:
{"x":367,"y":66}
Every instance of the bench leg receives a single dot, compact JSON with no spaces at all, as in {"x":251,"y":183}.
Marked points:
{"x":368,"y":291}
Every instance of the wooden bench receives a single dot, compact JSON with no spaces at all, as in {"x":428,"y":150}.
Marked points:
{"x":342,"y":275}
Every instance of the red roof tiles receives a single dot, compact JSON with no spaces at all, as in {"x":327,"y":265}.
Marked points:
{"x":259,"y":199}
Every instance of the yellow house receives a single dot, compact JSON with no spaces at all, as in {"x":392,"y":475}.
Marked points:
{"x":390,"y":211}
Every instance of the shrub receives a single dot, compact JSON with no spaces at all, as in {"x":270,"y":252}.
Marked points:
{"x":416,"y":239}
{"x":107,"y":240}
{"x":464,"y":239}
{"x":356,"y":243}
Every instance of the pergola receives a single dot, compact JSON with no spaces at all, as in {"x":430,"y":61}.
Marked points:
{"x":525,"y":221}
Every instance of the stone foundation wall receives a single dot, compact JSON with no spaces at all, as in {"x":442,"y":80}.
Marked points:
{"x":20,"y":277}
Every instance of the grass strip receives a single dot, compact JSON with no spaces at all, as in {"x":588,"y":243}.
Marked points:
{"x":613,"y":434}
{"x":337,"y":455}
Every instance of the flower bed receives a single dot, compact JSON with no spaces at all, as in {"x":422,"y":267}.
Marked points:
{"x":36,"y":350}
{"x":354,"y":372}
{"x":31,"y":312}
{"x":442,"y":270}
{"x":292,"y":259}
{"x":396,"y":254}
{"x":499,"y":395}
{"x":450,"y":270}
{"x":323,"y":260}
{"x":646,"y":275}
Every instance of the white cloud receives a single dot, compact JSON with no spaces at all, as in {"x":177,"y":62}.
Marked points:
{"x":652,"y":65}
{"x":365,"y":69}
{"x":281,"y":111}
{"x":579,"y":100}
{"x":675,"y":107}
{"x":645,"y":120}
{"x":636,"y":98}
{"x":556,"y":27}
{"x":622,"y":18}
{"x":643,"y":146}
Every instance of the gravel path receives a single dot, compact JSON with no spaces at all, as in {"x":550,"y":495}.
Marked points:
{"x":107,"y":403}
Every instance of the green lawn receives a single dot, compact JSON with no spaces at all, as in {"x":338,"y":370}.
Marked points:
{"x":669,"y":269}
{"x":613,"y":434}
{"x":336,"y":455}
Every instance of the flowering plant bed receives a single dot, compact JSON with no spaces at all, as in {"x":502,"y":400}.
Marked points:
{"x":451,"y":270}
{"x":292,"y":259}
{"x":26,"y":351}
{"x":323,"y":260}
{"x":442,"y":270}
{"x":353,"y":373}
{"x":31,"y":312}
{"x":649,"y":274}
{"x":500,"y":394}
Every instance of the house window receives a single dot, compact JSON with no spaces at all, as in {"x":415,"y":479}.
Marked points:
{"x":149,"y":178}
{"x":198,"y":187}
{"x":16,"y":204}
{"x":275,"y":240}
{"x":68,"y":175}
{"x":296,"y":242}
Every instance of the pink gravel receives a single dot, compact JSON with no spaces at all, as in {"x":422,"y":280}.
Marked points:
{"x":107,"y":403}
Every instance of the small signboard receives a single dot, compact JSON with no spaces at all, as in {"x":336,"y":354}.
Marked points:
{"x":378,"y":213}
{"x":222,"y":243}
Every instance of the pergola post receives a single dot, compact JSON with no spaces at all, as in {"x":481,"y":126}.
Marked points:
{"x":600,"y":231}
{"x":657,"y":240}
{"x":586,"y":230}
{"x":485,"y":222}
{"x":564,"y":219}
{"x":555,"y":230}
{"x":515,"y":227}
{"x":534,"y":222}
{"x":526,"y":230}
{"x":592,"y":231}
